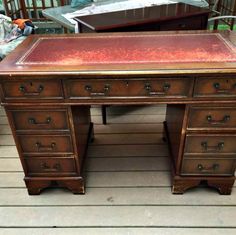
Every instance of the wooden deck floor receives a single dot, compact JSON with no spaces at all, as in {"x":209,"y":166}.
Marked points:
{"x":128,"y":187}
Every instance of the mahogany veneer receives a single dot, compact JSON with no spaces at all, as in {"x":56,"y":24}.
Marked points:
{"x":49,"y":82}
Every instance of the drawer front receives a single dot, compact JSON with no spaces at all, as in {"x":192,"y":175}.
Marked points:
{"x":208,"y":167}
{"x":215,"y":144}
{"x":212,"y":118}
{"x":36,"y":89}
{"x":50,"y":166}
{"x":27,"y":120}
{"x":161,"y":87}
{"x":193,"y":23}
{"x":46,"y":144}
{"x":215,"y":87}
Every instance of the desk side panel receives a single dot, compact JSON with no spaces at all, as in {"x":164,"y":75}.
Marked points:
{"x":176,"y":117}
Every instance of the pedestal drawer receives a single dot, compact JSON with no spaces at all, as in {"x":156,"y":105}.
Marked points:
{"x":160,"y":87}
{"x":46,"y":144}
{"x":27,"y":120}
{"x":50,"y":166}
{"x":208,"y":167}
{"x":212,"y":144}
{"x":215,"y":87}
{"x":35,"y":89}
{"x":212,"y":117}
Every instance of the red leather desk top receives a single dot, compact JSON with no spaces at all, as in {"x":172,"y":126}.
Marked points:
{"x":130,"y":49}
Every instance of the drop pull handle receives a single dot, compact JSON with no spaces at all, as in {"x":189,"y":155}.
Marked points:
{"x":202,"y":168}
{"x":218,"y":88}
{"x":55,"y":167}
{"x":208,"y":148}
{"x":91,"y":91}
{"x":212,"y":121}
{"x":164,"y":91}
{"x":25,"y":92}
{"x":34,"y":122}
{"x":50,"y":147}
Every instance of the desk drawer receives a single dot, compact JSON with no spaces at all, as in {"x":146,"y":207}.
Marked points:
{"x":190,"y":23}
{"x":161,"y":87}
{"x":35,"y":89}
{"x":40,"y":120}
{"x":46,"y":144}
{"x":210,"y":144}
{"x":212,"y":118}
{"x":50,"y":166}
{"x":215,"y":87}
{"x":208,"y":167}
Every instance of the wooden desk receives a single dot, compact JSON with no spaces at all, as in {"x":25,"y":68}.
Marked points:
{"x":47,"y":97}
{"x":178,"y":16}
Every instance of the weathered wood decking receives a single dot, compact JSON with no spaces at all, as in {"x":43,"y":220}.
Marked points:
{"x":128,"y":187}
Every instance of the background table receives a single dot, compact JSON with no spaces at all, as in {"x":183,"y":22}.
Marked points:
{"x":178,"y":16}
{"x":55,"y":14}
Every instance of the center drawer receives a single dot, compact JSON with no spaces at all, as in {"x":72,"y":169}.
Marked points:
{"x":161,"y":87}
{"x":46,"y":144}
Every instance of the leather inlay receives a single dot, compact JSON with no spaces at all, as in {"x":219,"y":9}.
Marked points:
{"x":135,"y":49}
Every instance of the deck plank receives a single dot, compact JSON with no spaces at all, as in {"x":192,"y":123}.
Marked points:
{"x":130,"y":109}
{"x":159,"y":150}
{"x":8,"y":151}
{"x":110,"y":216}
{"x":128,"y":164}
{"x":7,"y":140}
{"x":3,"y":120}
{"x":131,"y":128}
{"x":130,"y":119}
{"x":5,"y":129}
{"x":146,"y":138}
{"x":2,"y":111}
{"x":118,"y":231}
{"x":117,"y":196}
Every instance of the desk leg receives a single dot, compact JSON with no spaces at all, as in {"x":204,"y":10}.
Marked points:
{"x":36,"y":185}
{"x":223,"y":184}
{"x":181,"y":184}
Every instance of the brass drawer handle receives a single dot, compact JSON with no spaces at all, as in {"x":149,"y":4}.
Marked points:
{"x":214,"y":167}
{"x":216,"y":148}
{"x":34,"y":122}
{"x":104,"y":93}
{"x":55,"y":167}
{"x":41,"y":147}
{"x":216,"y":85}
{"x":224,"y":120}
{"x":36,"y":93}
{"x":165,"y":89}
